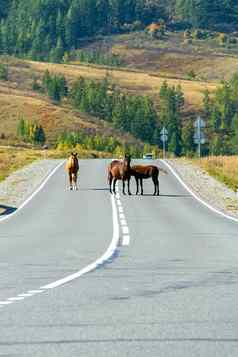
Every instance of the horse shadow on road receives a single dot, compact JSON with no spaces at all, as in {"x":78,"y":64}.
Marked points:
{"x":5,"y":210}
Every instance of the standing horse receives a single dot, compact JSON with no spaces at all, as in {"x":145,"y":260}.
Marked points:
{"x":141,"y":172}
{"x":72,"y":167}
{"x":120,"y":170}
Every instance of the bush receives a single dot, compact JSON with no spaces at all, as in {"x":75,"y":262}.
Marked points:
{"x":191,"y":75}
{"x":3,"y":72}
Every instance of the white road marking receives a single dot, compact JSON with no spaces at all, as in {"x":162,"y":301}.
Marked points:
{"x":107,"y":255}
{"x":126,"y":240}
{"x":120,"y":209}
{"x":195,"y":196}
{"x":122,"y":216}
{"x":16,"y":298}
{"x":33,"y":194}
{"x":6,"y":302}
{"x":125,"y":230}
{"x":123,"y":222}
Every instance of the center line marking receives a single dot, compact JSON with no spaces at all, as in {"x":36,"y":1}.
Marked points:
{"x":123,"y":222}
{"x":125,"y":230}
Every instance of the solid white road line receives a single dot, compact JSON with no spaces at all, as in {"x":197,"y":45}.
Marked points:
{"x":33,"y":194}
{"x":35,"y":291}
{"x":195,"y":196}
{"x":107,"y":255}
{"x":16,"y":298}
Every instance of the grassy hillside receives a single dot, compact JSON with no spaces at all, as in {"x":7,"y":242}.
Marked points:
{"x":172,"y":55}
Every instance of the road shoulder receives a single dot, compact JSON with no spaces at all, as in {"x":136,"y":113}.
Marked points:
{"x":206,"y":187}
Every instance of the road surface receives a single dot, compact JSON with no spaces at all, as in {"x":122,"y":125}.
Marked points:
{"x":169,"y":289}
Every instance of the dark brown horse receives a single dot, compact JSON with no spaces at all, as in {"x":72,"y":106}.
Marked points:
{"x":120,"y":170}
{"x":72,"y":167}
{"x":141,"y":172}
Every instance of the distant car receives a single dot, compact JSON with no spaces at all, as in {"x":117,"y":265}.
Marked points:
{"x":148,"y":156}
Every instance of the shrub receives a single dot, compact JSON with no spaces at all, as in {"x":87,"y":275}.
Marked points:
{"x":3,"y":72}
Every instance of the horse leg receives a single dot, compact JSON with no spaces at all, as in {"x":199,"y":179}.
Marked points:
{"x":114,"y":185}
{"x":137,"y":185}
{"x":155,"y":181}
{"x":110,"y":178}
{"x":76,"y":179}
{"x":70,"y":181}
{"x":128,"y":186}
{"x":157,"y":186}
{"x":141,"y":186}
{"x":123,"y":186}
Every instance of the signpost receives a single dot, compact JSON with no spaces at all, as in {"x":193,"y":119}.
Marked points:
{"x":164,"y":138}
{"x":199,"y":137}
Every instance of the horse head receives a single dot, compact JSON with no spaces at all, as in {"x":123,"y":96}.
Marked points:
{"x":127,"y":161}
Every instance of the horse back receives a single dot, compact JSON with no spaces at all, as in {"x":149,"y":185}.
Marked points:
{"x":144,"y":171}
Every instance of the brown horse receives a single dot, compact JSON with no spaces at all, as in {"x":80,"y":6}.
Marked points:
{"x":141,"y":172}
{"x":72,"y":167}
{"x":120,"y":170}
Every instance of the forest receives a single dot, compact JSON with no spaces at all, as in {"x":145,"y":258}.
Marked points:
{"x":46,"y":29}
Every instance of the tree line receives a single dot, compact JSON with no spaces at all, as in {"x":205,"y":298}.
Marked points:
{"x":46,"y":29}
{"x":30,"y":132}
{"x":128,"y":113}
{"x":221,"y":115}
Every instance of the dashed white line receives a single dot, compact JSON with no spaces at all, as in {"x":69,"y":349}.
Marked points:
{"x":125,"y":230}
{"x":126,"y":240}
{"x":123,"y":222}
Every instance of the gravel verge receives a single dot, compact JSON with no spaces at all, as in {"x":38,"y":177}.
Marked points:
{"x":206,"y":187}
{"x":15,"y":189}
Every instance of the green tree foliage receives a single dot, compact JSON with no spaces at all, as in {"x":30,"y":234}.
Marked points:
{"x":129,"y":113}
{"x":171,"y":105}
{"x":222,"y":113}
{"x":30,"y":132}
{"x":46,"y":29}
{"x":55,"y":86}
{"x":3,"y":72}
{"x":94,"y":141}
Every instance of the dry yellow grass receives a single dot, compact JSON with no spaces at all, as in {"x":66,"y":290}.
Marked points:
{"x":224,"y":168}
{"x":14,"y":158}
{"x":16,"y":104}
{"x":138,"y":82}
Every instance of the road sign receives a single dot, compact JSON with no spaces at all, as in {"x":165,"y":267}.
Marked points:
{"x":199,"y":137}
{"x":164,"y":131}
{"x":199,"y":123}
{"x":164,"y":138}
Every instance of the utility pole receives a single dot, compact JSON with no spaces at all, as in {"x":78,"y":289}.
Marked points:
{"x":199,"y":137}
{"x":164,"y":138}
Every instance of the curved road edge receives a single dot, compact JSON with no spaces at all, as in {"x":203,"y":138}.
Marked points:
{"x":206,"y":204}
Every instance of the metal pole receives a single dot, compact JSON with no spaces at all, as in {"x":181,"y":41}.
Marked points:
{"x":199,"y":139}
{"x":163,"y":149}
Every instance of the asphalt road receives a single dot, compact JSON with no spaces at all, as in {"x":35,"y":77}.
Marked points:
{"x":170,"y":288}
